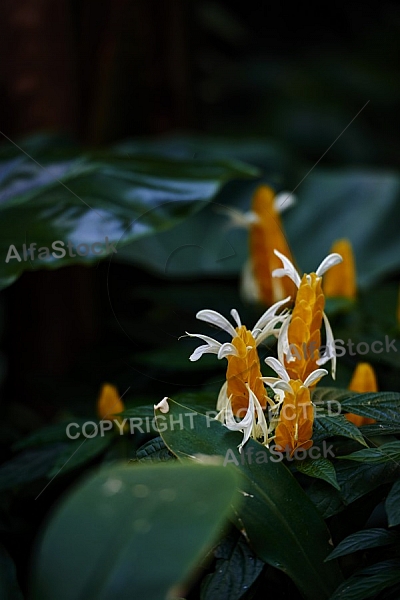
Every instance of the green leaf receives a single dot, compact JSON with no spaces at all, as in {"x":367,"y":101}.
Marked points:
{"x":326,"y":426}
{"x":132,"y":532}
{"x":362,"y":540}
{"x":80,"y":452}
{"x":375,"y":429}
{"x":9,"y":588}
{"x":236,"y":569}
{"x":29,"y":466}
{"x":47,"y":435}
{"x":382,"y":454}
{"x":282,"y":525}
{"x":320,"y":468}
{"x":382,"y":406}
{"x":154,"y":451}
{"x":358,"y":479}
{"x":368,"y":582}
{"x":355,"y":481}
{"x":346,"y":193}
{"x":393,"y":505}
{"x":330,"y":398}
{"x":65,"y":194}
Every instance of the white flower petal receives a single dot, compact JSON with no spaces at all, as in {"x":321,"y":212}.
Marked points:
{"x":236,"y":317}
{"x":215,"y":318}
{"x":330,"y":261}
{"x":162,"y":406}
{"x":261,"y":422}
{"x":223,"y":397}
{"x":284,"y":200}
{"x":330,"y":353}
{"x":236,"y":217}
{"x":245,"y":425}
{"x":314,"y":377}
{"x":270,"y":329}
{"x":249,"y":288}
{"x":283,"y":342}
{"x":268,"y":315}
{"x":212,"y":346}
{"x":288,"y":269}
{"x":278,"y":367}
{"x":227,"y":349}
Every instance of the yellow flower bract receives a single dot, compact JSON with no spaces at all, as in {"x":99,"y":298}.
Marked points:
{"x":340,"y":281}
{"x":266,"y":235}
{"x":242,"y":369}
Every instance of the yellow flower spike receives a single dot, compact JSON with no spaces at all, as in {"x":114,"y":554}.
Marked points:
{"x":363,"y":380}
{"x":299,"y":341}
{"x":341,"y":281}
{"x":296,"y":417}
{"x":266,"y":235}
{"x":244,"y":369}
{"x":243,"y":376}
{"x":294,"y":430}
{"x":109,"y":403}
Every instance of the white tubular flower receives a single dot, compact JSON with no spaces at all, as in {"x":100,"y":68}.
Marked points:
{"x":253,"y":423}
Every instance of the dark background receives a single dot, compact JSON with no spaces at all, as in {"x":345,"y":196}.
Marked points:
{"x":104,"y":71}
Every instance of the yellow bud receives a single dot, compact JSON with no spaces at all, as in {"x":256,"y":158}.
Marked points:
{"x":267,"y":235}
{"x":340,"y":281}
{"x":109,"y":402}
{"x":363,"y":380}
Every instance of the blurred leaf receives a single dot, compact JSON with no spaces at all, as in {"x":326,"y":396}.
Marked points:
{"x":47,"y":435}
{"x":236,"y":569}
{"x":281,"y":524}
{"x":9,"y":588}
{"x":64,"y":194}
{"x":29,"y":465}
{"x":132,"y":531}
{"x":362,"y":540}
{"x":393,"y":505}
{"x":369,"y":581}
{"x":79,"y":452}
{"x":320,"y":468}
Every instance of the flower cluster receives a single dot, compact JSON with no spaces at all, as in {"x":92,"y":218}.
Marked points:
{"x":243,"y":397}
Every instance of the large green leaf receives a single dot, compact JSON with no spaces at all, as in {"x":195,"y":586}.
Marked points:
{"x":132,"y":532}
{"x":59,"y":193}
{"x":205,"y":246}
{"x":282,"y":525}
